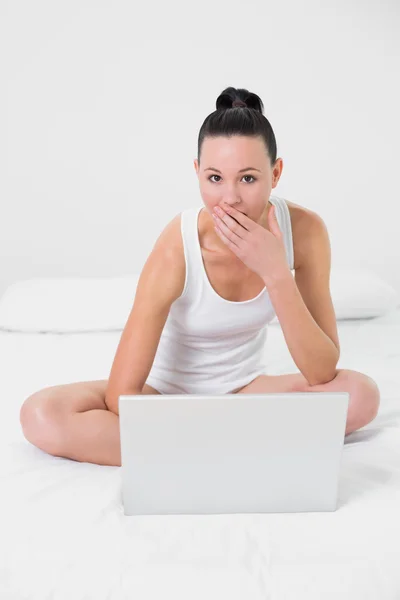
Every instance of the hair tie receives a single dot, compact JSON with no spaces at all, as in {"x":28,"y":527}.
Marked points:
{"x":239,"y":103}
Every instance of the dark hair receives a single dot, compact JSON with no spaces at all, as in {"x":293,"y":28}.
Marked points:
{"x":239,"y":112}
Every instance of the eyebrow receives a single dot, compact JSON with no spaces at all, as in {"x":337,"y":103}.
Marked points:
{"x":241,"y":170}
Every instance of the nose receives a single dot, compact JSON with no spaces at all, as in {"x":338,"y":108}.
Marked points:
{"x":235,"y":204}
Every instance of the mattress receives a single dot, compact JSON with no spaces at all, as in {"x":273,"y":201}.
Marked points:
{"x":64,"y":534}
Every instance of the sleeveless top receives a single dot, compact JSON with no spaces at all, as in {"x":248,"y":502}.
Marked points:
{"x":210,"y":344}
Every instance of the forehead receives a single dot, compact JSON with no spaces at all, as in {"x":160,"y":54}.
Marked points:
{"x":233,"y":151}
{"x":234,"y":143}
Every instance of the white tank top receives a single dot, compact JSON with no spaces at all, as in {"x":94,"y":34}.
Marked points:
{"x":209,"y":344}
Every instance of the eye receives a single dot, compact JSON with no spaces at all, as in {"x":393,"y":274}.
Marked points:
{"x":254,"y":179}
{"x":251,"y":177}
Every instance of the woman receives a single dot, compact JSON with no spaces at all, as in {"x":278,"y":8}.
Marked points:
{"x":206,"y":294}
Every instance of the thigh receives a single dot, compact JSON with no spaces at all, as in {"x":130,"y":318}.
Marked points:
{"x":77,"y":396}
{"x":264,"y":384}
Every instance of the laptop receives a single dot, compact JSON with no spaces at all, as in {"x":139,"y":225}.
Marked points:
{"x":231,"y":453}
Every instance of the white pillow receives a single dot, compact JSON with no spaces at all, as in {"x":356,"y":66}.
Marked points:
{"x":359,"y":293}
{"x":67,"y":305}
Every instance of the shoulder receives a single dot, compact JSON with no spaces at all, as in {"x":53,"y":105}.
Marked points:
{"x":169,"y":252}
{"x":308,"y":228}
{"x":170,"y":237}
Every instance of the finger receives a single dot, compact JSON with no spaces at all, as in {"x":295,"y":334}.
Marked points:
{"x":228,"y":227}
{"x":220,"y":234}
{"x":241,"y":218}
{"x":233,"y":230}
{"x":224,"y":238}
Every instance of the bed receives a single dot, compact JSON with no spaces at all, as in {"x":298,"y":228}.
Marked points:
{"x":63,"y":531}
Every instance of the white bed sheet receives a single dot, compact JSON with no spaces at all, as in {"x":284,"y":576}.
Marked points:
{"x":64,"y":534}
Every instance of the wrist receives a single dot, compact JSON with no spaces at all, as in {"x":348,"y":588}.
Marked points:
{"x":277,"y":279}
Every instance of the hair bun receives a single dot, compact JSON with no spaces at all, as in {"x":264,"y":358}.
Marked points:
{"x":232,"y":97}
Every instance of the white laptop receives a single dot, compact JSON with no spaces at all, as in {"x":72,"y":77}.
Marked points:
{"x":231,"y":453}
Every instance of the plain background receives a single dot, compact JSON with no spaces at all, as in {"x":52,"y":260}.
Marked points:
{"x":101,"y":105}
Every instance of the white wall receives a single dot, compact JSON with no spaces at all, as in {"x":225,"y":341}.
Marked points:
{"x":101,"y":104}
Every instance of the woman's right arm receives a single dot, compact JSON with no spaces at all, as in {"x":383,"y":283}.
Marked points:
{"x":160,"y":283}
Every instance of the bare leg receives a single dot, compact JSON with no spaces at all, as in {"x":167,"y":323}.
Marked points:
{"x":72,"y":421}
{"x":93,"y":436}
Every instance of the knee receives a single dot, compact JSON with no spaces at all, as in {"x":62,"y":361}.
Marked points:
{"x":368,"y":389}
{"x":41,"y":422}
{"x":375,"y":397}
{"x":366,"y":395}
